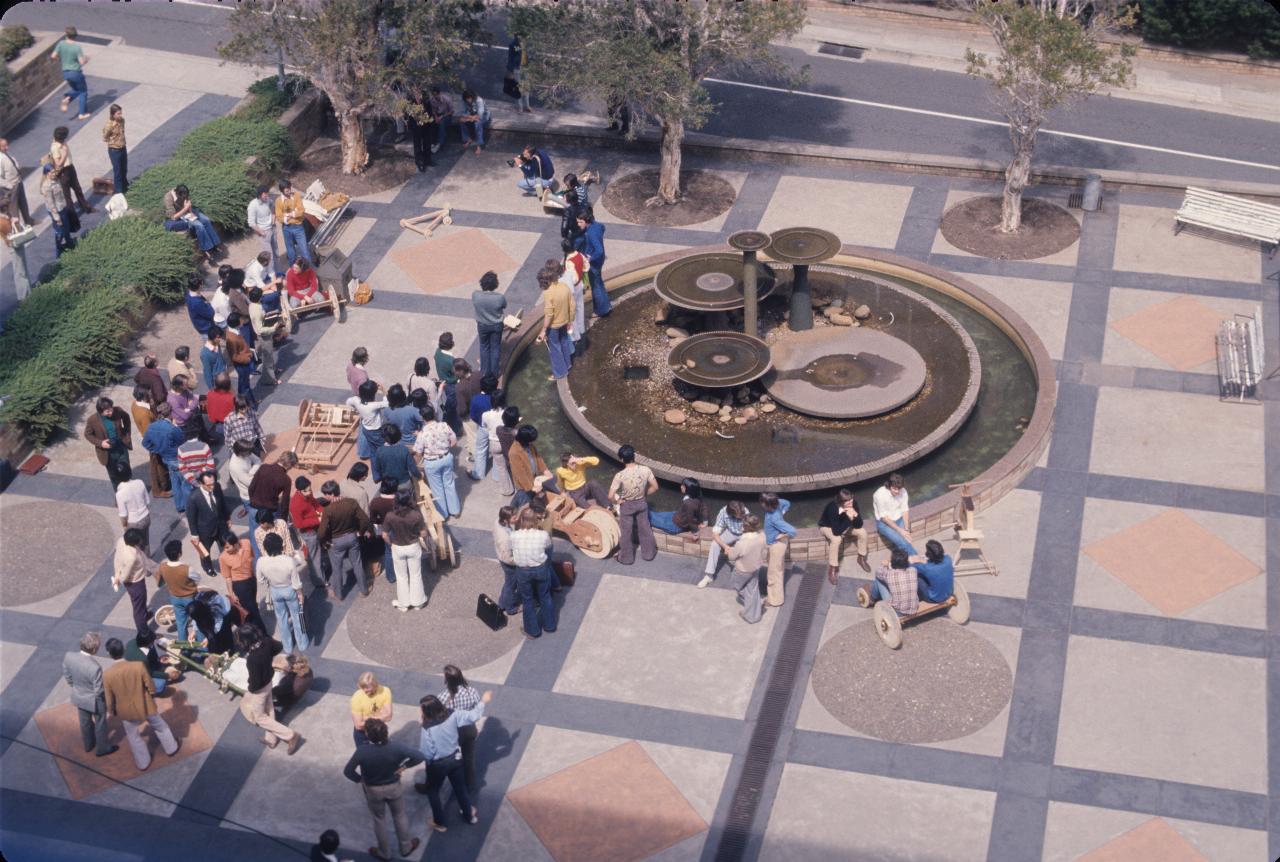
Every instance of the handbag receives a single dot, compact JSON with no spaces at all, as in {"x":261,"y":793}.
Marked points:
{"x":490,"y":614}
{"x":565,"y":572}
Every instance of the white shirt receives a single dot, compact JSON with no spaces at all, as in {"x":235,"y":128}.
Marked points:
{"x":280,"y":572}
{"x":221,"y":303}
{"x":370,"y":413}
{"x":10,"y":176}
{"x":133,"y":501}
{"x":261,"y":215}
{"x":242,"y":471}
{"x":257,"y":275}
{"x":491,"y":421}
{"x":886,"y":505}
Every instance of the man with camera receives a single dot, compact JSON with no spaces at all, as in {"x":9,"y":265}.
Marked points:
{"x":537,"y":168}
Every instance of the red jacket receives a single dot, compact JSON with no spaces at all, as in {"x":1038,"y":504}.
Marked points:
{"x":304,"y":511}
{"x":218,"y":405}
{"x":301,"y":285}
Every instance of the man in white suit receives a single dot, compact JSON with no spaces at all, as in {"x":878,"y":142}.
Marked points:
{"x":84,"y":675}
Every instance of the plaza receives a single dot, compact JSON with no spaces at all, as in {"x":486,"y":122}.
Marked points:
{"x":1112,"y":697}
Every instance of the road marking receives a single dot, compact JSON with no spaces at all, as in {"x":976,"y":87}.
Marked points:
{"x":987,"y":122}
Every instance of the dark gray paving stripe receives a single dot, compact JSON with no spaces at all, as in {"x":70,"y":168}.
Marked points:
{"x":643,"y":722}
{"x":27,"y":690}
{"x":757,"y":192}
{"x":894,"y":760}
{"x":920,"y":223}
{"x":540,"y":661}
{"x":446,"y":306}
{"x":1163,"y":798}
{"x":965,"y":264}
{"x":1161,"y":631}
{"x":1185,"y":284}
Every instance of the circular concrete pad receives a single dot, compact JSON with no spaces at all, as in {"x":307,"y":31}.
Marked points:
{"x":48,"y":548}
{"x":840,"y":373}
{"x":944,"y":683}
{"x":446,"y":631}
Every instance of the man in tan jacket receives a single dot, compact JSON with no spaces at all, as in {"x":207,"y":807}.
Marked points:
{"x":129,"y":692}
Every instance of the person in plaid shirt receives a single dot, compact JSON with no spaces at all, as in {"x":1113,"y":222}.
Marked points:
{"x":243,"y":424}
{"x":458,"y":696}
{"x":896,"y":584}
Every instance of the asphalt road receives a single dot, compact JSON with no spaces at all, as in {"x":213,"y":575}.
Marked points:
{"x":196,"y":26}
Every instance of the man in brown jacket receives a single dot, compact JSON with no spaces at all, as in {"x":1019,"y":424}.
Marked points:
{"x":143,"y":411}
{"x":341,"y":526}
{"x":129,"y":692}
{"x":241,"y":358}
{"x":108,"y":429}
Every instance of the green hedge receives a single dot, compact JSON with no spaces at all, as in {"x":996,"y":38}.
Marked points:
{"x":269,"y":101}
{"x":65,"y":339}
{"x":232,"y":140}
{"x":134,"y":253}
{"x":220,"y":190}
{"x":15,"y":40}
{"x":1245,"y":26}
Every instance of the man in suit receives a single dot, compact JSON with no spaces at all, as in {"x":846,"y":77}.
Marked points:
{"x":128,"y":691}
{"x":108,"y":429}
{"x":207,"y":518}
{"x":83,"y":673}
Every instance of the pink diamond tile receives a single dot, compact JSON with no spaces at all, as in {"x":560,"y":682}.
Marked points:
{"x":455,"y":259}
{"x":1153,"y":841}
{"x":1180,"y":331}
{"x":1172,"y":561}
{"x":618,"y":806}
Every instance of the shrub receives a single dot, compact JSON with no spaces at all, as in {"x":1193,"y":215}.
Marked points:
{"x":133,"y":253}
{"x":269,"y":101}
{"x":232,"y":140}
{"x":65,"y":339}
{"x":221,"y":190}
{"x":1245,"y":26}
{"x":14,"y":40}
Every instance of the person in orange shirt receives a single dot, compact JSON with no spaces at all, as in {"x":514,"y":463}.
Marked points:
{"x":291,"y":216}
{"x":236,"y":565}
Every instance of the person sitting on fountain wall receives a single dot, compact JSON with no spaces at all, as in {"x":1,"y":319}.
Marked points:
{"x":935,"y":570}
{"x":691,"y":515}
{"x":839,"y":519}
{"x":630,"y":490}
{"x":896,"y":583}
{"x":893,"y":516}
{"x":777,"y":535}
{"x":572,"y":474}
{"x":529,"y":472}
{"x":727,"y":531}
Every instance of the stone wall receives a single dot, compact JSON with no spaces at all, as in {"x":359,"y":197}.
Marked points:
{"x":35,"y":75}
{"x":305,"y":118}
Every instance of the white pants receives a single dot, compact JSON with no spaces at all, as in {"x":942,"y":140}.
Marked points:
{"x":138,"y":745}
{"x":713,"y":558}
{"x":407,"y":560}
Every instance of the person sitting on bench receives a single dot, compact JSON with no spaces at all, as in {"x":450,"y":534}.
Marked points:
{"x":896,"y":584}
{"x":893,"y":515}
{"x":180,"y":214}
{"x":936,"y":572}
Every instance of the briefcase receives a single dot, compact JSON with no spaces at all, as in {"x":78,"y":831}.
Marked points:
{"x":489,"y":613}
{"x":564,"y":572}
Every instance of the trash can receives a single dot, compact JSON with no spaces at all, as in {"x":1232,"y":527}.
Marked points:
{"x":1092,"y":197}
{"x":334,"y":271}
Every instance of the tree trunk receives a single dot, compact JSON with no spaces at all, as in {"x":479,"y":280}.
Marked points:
{"x":355,"y":153}
{"x":1016,"y":177}
{"x":669,"y":172}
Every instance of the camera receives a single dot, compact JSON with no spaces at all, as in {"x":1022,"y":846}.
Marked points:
{"x":511,"y":163}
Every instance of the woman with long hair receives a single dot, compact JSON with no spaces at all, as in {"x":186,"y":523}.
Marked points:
{"x":439,"y":744}
{"x":403,"y":530}
{"x":457,"y":695}
{"x":370,"y":408}
{"x":691,"y":515}
{"x":256,"y":705}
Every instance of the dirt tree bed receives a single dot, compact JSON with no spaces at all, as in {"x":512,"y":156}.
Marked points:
{"x":705,"y":197}
{"x":974,"y":226}
{"x":388,"y":168}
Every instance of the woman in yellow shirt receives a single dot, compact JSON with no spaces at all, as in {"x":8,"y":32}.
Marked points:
{"x":371,"y":700}
{"x":572,"y":474}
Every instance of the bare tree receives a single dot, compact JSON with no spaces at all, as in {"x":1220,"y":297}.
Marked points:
{"x":1050,"y":54}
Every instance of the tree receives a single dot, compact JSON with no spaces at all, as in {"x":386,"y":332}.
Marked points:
{"x":1050,"y":54}
{"x":652,"y":54}
{"x":359,"y":53}
{"x":1247,"y":26}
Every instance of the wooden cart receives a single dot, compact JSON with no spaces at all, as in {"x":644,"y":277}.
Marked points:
{"x":594,"y":530}
{"x":334,"y":304}
{"x":440,"y":547}
{"x":889,"y":624}
{"x":326,"y":433}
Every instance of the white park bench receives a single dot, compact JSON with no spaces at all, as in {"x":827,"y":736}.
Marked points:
{"x":1230,"y":214}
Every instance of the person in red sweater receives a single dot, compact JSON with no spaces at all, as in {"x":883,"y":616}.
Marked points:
{"x":305,"y":513}
{"x":302,"y":286}
{"x":221,"y":400}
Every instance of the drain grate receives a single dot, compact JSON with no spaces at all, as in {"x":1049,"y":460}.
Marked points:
{"x":848,"y":52}
{"x":92,"y":40}
{"x":769,"y":722}
{"x":1075,"y":200}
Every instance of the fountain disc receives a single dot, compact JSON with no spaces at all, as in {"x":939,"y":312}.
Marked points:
{"x":720,"y":359}
{"x":711,"y":281}
{"x":803,"y":245}
{"x":749,"y":240}
{"x":839,"y":373}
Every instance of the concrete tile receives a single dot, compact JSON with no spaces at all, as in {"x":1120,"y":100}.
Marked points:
{"x":356,"y":229}
{"x":338,"y":645}
{"x":1066,"y":257}
{"x":1145,"y":243}
{"x":1152,"y":329}
{"x":616,"y":656}
{"x":484,"y":183}
{"x":1172,"y":436}
{"x":511,"y":840}
{"x":1009,"y":538}
{"x":621,"y":252}
{"x":1074,"y":832}
{"x":451,"y":262}
{"x":12,"y":657}
{"x":1143,"y":710}
{"x":859,"y":213}
{"x":734,"y":178}
{"x":820,"y":814}
{"x":1046,"y":305}
{"x":385,"y":196}
{"x":552,"y":749}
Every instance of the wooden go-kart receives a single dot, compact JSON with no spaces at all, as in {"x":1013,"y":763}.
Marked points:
{"x":440,"y":546}
{"x":593,"y":530}
{"x":889,"y":624}
{"x":332,"y":303}
{"x":326,"y":433}
{"x":227,"y":673}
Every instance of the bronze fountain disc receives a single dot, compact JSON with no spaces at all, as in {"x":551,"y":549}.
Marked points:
{"x":749,"y":240}
{"x":803,"y":245}
{"x":720,"y":359}
{"x":844,"y":373}
{"x":710,"y":281}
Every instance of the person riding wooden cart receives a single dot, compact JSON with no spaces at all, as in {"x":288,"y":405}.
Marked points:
{"x":889,"y":624}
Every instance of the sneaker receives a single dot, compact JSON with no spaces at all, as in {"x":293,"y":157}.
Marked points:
{"x":474,"y":818}
{"x":295,"y":742}
{"x":705,"y":582}
{"x":437,"y":826}
{"x":435,"y":148}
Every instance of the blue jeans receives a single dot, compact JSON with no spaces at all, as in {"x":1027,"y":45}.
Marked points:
{"x":178,"y":484}
{"x":535,"y":593}
{"x":664,"y":521}
{"x":891,"y":537}
{"x":490,"y":347}
{"x":560,"y":346}
{"x":442,"y":128}
{"x":599,"y":297}
{"x":476,"y":130}
{"x":201,"y":229}
{"x":443,"y":484}
{"x":77,"y":89}
{"x":531,"y":185}
{"x":180,"y":617}
{"x":64,"y":230}
{"x":252,"y":516}
{"x":388,"y":566}
{"x":368,"y":442}
{"x":879,"y":592}
{"x":244,"y":383}
{"x":295,"y":242}
{"x":481,"y":453}
{"x":289,"y":619}
{"x":508,"y":599}
{"x":119,"y":168}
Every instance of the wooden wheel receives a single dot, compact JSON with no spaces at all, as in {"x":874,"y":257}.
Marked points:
{"x":864,"y":597}
{"x":450,"y":548}
{"x":165,"y":617}
{"x":447,"y":220}
{"x":887,"y":625}
{"x":333,"y":302}
{"x":959,"y":612}
{"x":607,"y":529}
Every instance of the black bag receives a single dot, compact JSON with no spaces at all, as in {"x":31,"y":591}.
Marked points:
{"x":510,"y":86}
{"x":490,"y":614}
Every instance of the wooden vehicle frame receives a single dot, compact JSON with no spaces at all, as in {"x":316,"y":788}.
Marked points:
{"x":440,"y":546}
{"x":324,"y":437}
{"x":594,"y":530}
{"x":970,"y":559}
{"x":427,"y":223}
{"x":889,"y":624}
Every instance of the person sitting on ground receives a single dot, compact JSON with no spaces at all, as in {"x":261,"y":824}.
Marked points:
{"x":893,"y":512}
{"x":572,"y":477}
{"x":896,"y":583}
{"x":528,"y":471}
{"x":841,"y":519}
{"x":302,"y":285}
{"x":294,"y":684}
{"x":180,"y":214}
{"x":727,"y":531}
{"x":691,"y":515}
{"x":538,"y":171}
{"x":935,"y":572}
{"x":143,"y":649}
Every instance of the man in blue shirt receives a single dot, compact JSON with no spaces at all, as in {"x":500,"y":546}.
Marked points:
{"x":537,"y":168}
{"x":198,"y":308}
{"x":935,"y":572}
{"x":591,"y":244}
{"x":163,"y":439}
{"x":777,"y":536}
{"x":213,"y":361}
{"x":394,"y":460}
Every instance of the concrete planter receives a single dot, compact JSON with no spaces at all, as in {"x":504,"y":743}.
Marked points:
{"x":35,"y":75}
